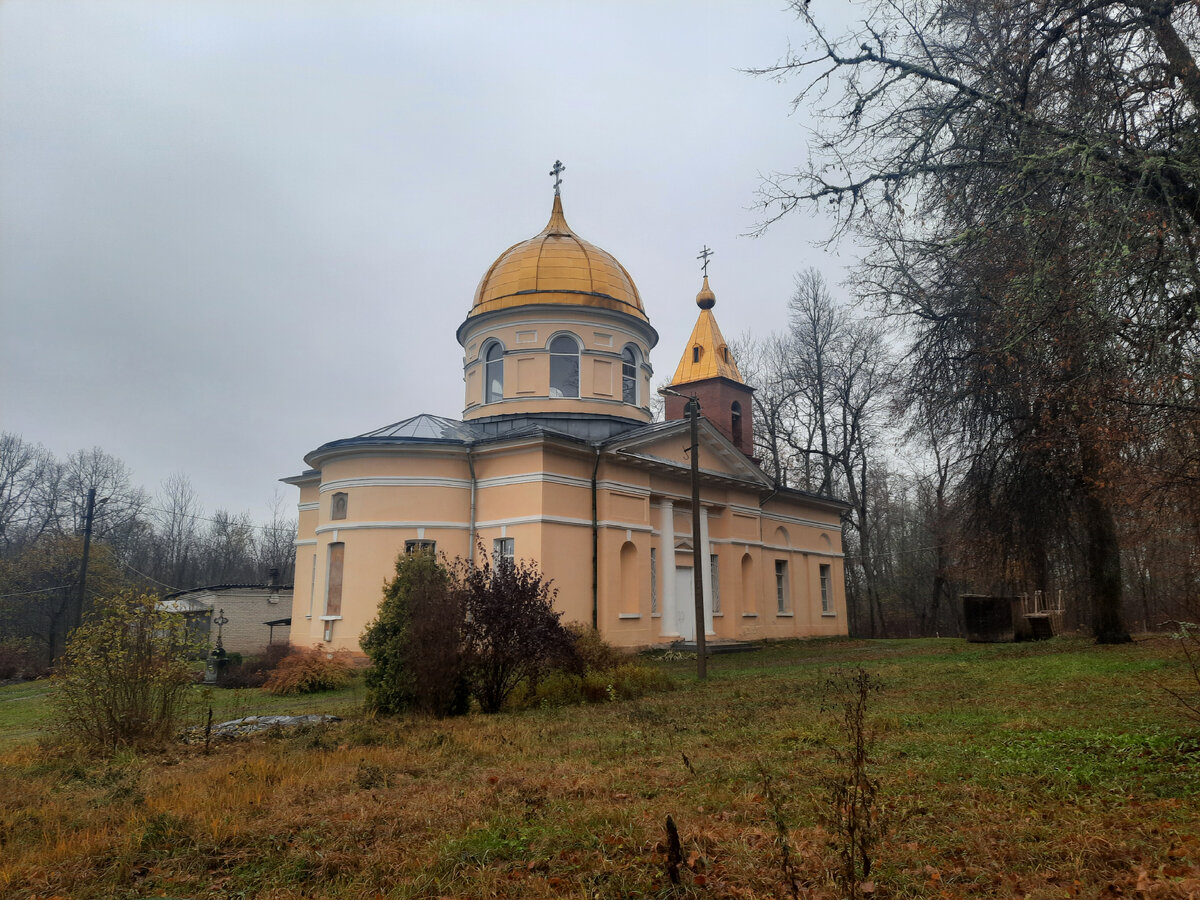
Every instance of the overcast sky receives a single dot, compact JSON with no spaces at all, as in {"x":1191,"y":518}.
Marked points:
{"x":230,"y":232}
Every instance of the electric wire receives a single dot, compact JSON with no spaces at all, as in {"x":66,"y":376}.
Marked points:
{"x":38,"y":591}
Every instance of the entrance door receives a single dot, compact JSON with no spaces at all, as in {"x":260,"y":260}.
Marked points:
{"x":685,"y":603}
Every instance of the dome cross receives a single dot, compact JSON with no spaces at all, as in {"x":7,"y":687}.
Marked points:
{"x":556,"y":170}
{"x":704,"y":255}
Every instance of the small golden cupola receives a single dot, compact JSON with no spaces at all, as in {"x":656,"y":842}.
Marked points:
{"x":708,"y":371}
{"x":707,"y":355}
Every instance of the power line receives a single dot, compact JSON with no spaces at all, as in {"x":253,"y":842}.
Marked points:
{"x":147,"y":577}
{"x":231,"y":521}
{"x":38,"y":591}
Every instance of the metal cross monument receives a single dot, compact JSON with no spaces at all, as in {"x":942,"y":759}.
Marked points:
{"x":220,"y":621}
{"x":556,"y":171}
{"x":704,"y":255}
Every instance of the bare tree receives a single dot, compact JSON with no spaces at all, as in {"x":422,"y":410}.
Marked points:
{"x":766,"y":364}
{"x":1028,"y":178}
{"x":276,"y":542}
{"x":817,"y":329}
{"x":121,"y":505}
{"x":229,"y":550}
{"x":29,"y":484}
{"x":175,"y":519}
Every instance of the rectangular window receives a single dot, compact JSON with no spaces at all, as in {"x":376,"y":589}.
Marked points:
{"x":503,"y":551}
{"x":826,"y":591}
{"x":654,"y":581}
{"x":333,"y":579}
{"x":420,"y":546}
{"x":716,"y":583}
{"x":781,"y":584}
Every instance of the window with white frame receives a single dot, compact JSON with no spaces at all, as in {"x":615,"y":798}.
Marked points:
{"x":715,"y":569}
{"x":503,"y":552}
{"x":564,"y":367}
{"x":826,"y":591}
{"x":629,"y":375}
{"x":493,"y":373}
{"x":781,"y":584}
{"x":420,"y":546}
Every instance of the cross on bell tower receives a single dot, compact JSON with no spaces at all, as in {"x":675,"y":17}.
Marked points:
{"x":704,"y":255}
{"x":556,"y":170}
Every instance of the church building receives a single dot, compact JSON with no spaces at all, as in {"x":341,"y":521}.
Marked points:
{"x":557,"y":459}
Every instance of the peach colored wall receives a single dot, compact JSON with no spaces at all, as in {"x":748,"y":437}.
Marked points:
{"x":527,"y":361}
{"x":381,"y":516}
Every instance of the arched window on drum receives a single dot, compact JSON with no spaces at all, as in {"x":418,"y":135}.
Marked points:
{"x":493,"y":373}
{"x":630,"y":360}
{"x":564,"y":367}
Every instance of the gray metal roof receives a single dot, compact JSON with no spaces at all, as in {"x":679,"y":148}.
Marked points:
{"x":423,"y":427}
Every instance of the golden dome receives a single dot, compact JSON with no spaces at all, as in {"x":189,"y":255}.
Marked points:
{"x":556,"y":266}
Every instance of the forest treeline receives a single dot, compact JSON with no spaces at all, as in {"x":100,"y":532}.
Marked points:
{"x":156,"y":542}
{"x":833,"y":415}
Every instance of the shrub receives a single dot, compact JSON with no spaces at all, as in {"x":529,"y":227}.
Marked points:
{"x":124,"y":678}
{"x":254,"y":670}
{"x":1186,"y":638}
{"x":632,"y":680}
{"x":592,"y":651}
{"x":556,"y":689}
{"x":19,"y":659}
{"x":628,"y":681}
{"x":311,"y":671}
{"x":513,"y":634}
{"x":416,"y":642}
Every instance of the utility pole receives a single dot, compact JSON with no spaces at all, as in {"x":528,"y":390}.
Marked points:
{"x":77,"y":612}
{"x":698,"y":551}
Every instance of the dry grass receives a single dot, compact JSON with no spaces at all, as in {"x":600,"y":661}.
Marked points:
{"x":1044,"y":771}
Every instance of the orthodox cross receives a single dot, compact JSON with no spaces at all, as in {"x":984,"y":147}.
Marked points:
{"x":220,"y":621}
{"x":704,"y":255}
{"x":556,"y":171}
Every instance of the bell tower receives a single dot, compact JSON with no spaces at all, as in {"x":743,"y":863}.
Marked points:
{"x":709,"y":372}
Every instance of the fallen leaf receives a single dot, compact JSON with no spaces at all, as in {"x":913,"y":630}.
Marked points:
{"x":1143,"y":881}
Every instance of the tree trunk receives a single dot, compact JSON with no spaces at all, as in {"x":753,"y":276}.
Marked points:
{"x":1104,"y":570}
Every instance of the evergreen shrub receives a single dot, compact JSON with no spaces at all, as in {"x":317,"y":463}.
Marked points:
{"x":416,"y":642}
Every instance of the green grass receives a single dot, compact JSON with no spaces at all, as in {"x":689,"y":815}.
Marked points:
{"x":25,"y":711}
{"x":1043,"y":770}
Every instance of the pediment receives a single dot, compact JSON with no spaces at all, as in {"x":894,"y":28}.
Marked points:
{"x":665,"y":445}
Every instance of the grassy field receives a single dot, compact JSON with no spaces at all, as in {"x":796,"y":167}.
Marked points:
{"x":1056,"y":769}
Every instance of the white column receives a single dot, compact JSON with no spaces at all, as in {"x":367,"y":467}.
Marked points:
{"x":706,"y":570}
{"x":666,"y":570}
